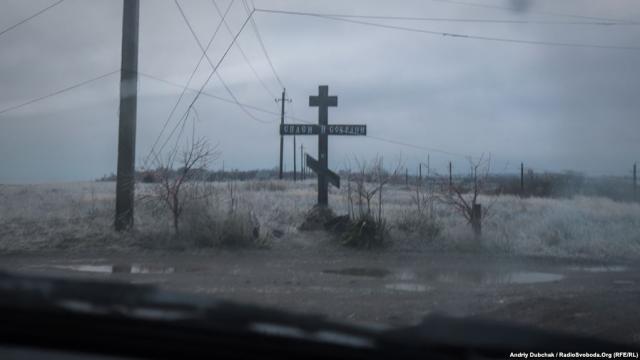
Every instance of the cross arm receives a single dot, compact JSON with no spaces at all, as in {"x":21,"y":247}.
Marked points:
{"x":332,"y":177}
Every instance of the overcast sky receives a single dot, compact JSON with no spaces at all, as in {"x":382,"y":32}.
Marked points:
{"x":553,"y":107}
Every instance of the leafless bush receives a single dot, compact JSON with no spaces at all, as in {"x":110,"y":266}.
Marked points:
{"x":185,"y":184}
{"x":365,"y":200}
{"x":463,"y":196}
{"x":421,"y":218}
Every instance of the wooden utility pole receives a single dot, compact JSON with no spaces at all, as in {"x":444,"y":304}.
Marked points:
{"x":304,"y":165}
{"x":301,"y":162}
{"x":428,"y":165}
{"x":450,"y":176}
{"x":282,"y":101}
{"x":125,"y":179}
{"x":295,"y":162}
{"x":420,"y":171}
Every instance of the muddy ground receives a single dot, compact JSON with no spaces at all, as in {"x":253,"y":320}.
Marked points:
{"x":395,"y":288}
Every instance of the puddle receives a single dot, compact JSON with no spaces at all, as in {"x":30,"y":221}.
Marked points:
{"x":367,"y":272}
{"x":600,"y":269}
{"x":407,"y":287}
{"x":498,"y":278}
{"x":117,"y":269}
{"x":624,"y":282}
{"x":452,"y":276}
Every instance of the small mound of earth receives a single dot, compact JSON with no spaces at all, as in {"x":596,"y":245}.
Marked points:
{"x":323,"y":218}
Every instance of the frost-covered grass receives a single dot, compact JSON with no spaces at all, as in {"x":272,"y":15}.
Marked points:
{"x":78,"y":216}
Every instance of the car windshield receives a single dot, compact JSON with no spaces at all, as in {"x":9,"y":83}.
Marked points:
{"x":373,"y":162}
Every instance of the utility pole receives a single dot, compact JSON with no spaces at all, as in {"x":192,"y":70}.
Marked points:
{"x":294,"y":159}
{"x":282,"y":101}
{"x":301,"y":162}
{"x":420,"y":171}
{"x":521,"y":179}
{"x":125,"y":180}
{"x":450,"y":176}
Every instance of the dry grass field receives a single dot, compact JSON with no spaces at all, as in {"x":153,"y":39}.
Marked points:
{"x":78,"y":217}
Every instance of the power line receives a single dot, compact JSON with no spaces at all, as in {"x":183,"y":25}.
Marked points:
{"x":231,"y":101}
{"x":77,"y":85}
{"x":184,"y":89}
{"x":514,"y":164}
{"x":237,"y":102}
{"x":204,"y":51}
{"x":487,"y":6}
{"x":471,"y":20}
{"x":264,"y":49}
{"x":31,"y":17}
{"x":305,"y":121}
{"x":244,"y":55}
{"x":453,"y":35}
{"x":215,"y":69}
{"x":419,"y":147}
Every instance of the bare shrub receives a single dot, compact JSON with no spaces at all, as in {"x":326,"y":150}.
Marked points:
{"x":421,"y":218}
{"x":463,"y":196}
{"x":178,"y":187}
{"x":368,"y":227}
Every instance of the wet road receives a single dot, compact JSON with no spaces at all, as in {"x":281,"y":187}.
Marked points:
{"x":584,"y":297}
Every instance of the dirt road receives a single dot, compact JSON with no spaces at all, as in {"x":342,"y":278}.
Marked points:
{"x":395,"y":288}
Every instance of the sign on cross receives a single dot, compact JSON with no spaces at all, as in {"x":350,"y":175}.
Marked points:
{"x":325,"y":176}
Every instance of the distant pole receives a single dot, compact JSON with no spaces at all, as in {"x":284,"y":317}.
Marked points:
{"x":521,"y":179}
{"x":406,"y":176}
{"x":282,"y":101}
{"x":301,"y":162}
{"x":281,"y":123}
{"x":450,"y":176}
{"x":295,"y":162}
{"x":428,"y":165}
{"x":420,"y":171}
{"x":125,"y":179}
